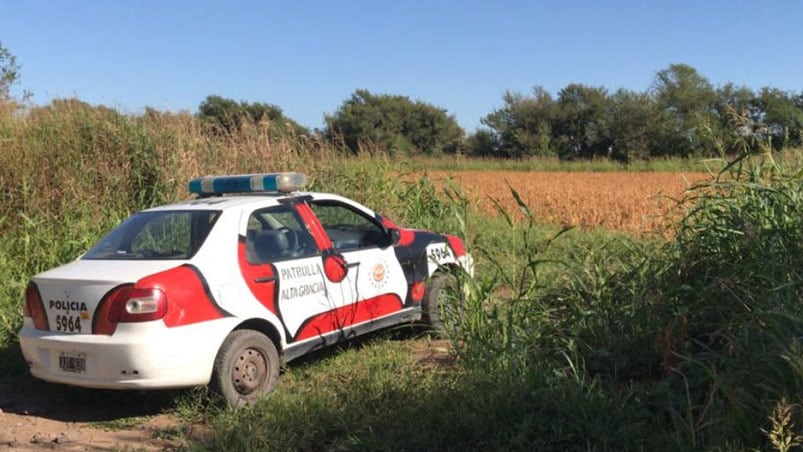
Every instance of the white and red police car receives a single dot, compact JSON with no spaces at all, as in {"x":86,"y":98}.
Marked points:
{"x":221,"y":289}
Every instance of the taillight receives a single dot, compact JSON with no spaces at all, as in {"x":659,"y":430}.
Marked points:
{"x":126,"y":304}
{"x":34,"y":308}
{"x":140,"y":305}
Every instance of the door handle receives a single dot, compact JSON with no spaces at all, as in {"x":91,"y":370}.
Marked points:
{"x":264,"y":279}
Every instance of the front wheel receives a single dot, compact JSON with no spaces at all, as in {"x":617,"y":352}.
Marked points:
{"x":246,"y":367}
{"x":442,"y":303}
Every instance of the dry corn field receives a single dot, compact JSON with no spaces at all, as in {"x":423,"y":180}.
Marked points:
{"x":624,"y":201}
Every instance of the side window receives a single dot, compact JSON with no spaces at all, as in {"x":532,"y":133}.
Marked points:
{"x":349,"y":229}
{"x":277,"y":233}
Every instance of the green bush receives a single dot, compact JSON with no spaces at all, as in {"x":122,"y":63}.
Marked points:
{"x":395,"y":124}
{"x":227,"y":116}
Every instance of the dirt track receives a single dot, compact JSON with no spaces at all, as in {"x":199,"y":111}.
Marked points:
{"x":37,"y":416}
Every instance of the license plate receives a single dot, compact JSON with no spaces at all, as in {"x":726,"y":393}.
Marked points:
{"x":73,"y":362}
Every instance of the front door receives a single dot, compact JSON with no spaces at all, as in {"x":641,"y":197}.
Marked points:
{"x":375,"y":276}
{"x":286,"y":266}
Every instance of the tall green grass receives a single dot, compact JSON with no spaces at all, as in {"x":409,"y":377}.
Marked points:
{"x":735,"y":298}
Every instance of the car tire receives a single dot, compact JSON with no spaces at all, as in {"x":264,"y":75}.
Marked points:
{"x":246,"y":367}
{"x":436,"y":303}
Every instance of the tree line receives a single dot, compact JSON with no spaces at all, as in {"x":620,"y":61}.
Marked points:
{"x":681,"y":115}
{"x":392,"y":123}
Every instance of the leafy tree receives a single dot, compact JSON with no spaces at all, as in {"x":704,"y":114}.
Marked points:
{"x":632,"y":118}
{"x":523,"y":127}
{"x":682,"y":115}
{"x":582,"y":124}
{"x":686,"y":99}
{"x":683,"y":90}
{"x":483,"y":143}
{"x":227,"y":115}
{"x":740,"y":118}
{"x":9,"y":72}
{"x":782,"y":118}
{"x":224,"y":113}
{"x":395,"y":123}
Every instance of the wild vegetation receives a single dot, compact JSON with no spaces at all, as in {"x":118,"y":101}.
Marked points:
{"x":567,"y":340}
{"x":394,"y":124}
{"x":227,"y":116}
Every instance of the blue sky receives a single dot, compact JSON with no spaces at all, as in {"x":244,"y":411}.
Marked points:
{"x":309,"y":56}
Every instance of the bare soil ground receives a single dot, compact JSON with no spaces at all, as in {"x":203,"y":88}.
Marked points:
{"x":37,"y":416}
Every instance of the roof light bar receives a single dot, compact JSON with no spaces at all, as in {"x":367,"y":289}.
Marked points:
{"x":248,"y":183}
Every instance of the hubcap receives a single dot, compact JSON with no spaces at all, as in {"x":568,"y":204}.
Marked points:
{"x":249,"y":371}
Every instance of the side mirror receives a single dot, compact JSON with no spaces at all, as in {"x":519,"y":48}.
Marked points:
{"x":334,"y":266}
{"x":394,"y":235}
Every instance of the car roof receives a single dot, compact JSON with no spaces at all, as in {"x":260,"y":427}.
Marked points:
{"x":226,"y":202}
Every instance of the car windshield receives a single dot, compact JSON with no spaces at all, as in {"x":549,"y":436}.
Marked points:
{"x":171,"y":234}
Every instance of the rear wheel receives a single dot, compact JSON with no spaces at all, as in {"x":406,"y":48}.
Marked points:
{"x":439,"y":306}
{"x":246,"y":367}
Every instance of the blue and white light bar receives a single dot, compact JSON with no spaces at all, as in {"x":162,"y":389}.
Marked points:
{"x":248,"y":183}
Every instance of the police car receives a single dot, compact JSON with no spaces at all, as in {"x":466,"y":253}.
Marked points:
{"x":222,"y":289}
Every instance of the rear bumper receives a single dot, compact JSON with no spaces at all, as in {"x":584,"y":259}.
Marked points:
{"x":137,"y":356}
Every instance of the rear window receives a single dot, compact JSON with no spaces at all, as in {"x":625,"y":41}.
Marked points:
{"x":157,"y":235}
